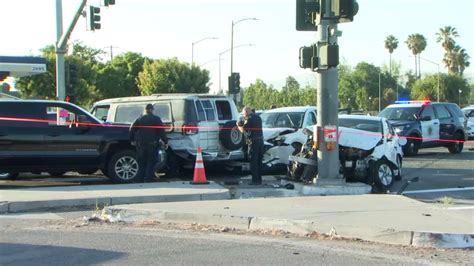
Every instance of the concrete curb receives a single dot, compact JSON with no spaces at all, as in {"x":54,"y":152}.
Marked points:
{"x":300,"y":227}
{"x":21,"y":206}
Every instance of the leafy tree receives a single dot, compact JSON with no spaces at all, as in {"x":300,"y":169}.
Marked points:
{"x":391,"y":43}
{"x":118,"y":78}
{"x":450,"y":85}
{"x":172,"y":76}
{"x":42,"y":86}
{"x":417,"y":44}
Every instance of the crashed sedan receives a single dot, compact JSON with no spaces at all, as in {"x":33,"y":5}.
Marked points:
{"x":283,"y":134}
{"x":370,"y":151}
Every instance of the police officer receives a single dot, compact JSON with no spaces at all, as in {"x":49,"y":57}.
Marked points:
{"x":252,"y":127}
{"x":146,"y":134}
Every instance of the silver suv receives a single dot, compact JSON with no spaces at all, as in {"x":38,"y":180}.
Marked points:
{"x":194,"y":120}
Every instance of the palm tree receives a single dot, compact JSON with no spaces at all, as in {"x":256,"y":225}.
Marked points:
{"x":460,"y":60}
{"x":391,"y":43}
{"x":417,"y":44}
{"x":446,"y":36}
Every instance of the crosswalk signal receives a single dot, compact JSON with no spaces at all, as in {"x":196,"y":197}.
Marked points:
{"x":93,"y":18}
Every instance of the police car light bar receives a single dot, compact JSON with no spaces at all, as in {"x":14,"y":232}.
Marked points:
{"x":408,"y":102}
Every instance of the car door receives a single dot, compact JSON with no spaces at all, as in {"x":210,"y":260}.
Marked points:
{"x":22,"y":130}
{"x":429,"y":125}
{"x":73,"y":139}
{"x":446,"y":120}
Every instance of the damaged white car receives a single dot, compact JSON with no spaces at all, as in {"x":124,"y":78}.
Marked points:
{"x":283,"y":134}
{"x":370,"y":151}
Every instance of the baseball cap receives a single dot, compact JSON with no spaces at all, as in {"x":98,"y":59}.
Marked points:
{"x":149,"y":107}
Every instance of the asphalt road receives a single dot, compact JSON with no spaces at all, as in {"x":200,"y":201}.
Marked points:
{"x":441,"y":173}
{"x":38,"y":242}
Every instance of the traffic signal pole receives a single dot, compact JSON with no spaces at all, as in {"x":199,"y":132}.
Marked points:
{"x":327,"y":104}
{"x":61,"y":45}
{"x":323,"y":58}
{"x":60,"y":53}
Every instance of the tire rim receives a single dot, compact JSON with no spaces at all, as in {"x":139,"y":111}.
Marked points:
{"x":126,"y":168}
{"x":235,"y":136}
{"x":385,"y":174}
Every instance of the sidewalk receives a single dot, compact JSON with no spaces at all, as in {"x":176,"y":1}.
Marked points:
{"x":389,"y":219}
{"x":17,"y":200}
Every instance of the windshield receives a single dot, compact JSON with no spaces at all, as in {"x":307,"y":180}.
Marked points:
{"x":400,"y":113}
{"x":275,"y":120}
{"x":361,"y":124}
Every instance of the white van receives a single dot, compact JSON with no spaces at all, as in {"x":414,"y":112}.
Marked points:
{"x":194,"y":120}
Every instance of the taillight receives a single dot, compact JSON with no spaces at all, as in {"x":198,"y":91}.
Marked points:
{"x":190,"y":129}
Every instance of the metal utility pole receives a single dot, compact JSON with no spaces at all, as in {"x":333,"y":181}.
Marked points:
{"x":111,"y":48}
{"x":327,"y":102}
{"x":323,"y":58}
{"x":60,"y":78}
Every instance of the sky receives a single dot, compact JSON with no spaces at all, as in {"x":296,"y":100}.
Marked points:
{"x":168,"y":28}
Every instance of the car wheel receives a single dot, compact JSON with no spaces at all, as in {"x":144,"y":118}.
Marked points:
{"x":230,"y":136}
{"x":456,"y":147}
{"x":123,"y":167}
{"x":412,"y":146}
{"x":56,"y":174}
{"x":382,"y":176}
{"x":8,"y":176}
{"x":398,"y":177}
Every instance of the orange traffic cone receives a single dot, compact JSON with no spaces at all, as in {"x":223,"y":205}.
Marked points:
{"x":199,"y":172}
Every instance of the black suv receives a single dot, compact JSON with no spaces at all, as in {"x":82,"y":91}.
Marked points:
{"x":57,"y":137}
{"x":428,"y":124}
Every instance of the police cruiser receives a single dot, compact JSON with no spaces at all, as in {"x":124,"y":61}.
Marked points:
{"x":428,"y":124}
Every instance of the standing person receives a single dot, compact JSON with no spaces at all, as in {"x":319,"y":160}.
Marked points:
{"x":252,"y":127}
{"x":145,"y":134}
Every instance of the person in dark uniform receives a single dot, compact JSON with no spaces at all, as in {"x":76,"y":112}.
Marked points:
{"x":252,"y":128}
{"x":146,"y":134}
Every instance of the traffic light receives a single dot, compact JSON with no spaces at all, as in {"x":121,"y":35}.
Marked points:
{"x":306,"y":13}
{"x":107,"y":2}
{"x":345,"y":10}
{"x":309,"y":57}
{"x":234,"y":83}
{"x":93,"y":18}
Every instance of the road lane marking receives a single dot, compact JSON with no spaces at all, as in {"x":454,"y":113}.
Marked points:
{"x":438,"y":190}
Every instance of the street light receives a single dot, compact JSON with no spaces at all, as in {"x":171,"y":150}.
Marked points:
{"x":429,"y":61}
{"x":221,"y":53}
{"x":232,"y":42}
{"x":192,"y":46}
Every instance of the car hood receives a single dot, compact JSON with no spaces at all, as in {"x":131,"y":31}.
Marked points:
{"x":270,"y":133}
{"x":360,"y":139}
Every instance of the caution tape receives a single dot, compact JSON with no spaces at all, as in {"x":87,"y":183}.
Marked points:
{"x":216,"y":128}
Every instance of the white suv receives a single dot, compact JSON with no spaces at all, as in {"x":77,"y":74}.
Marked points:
{"x":195,"y":120}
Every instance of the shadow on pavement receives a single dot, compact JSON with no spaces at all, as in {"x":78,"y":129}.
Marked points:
{"x":53,"y":255}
